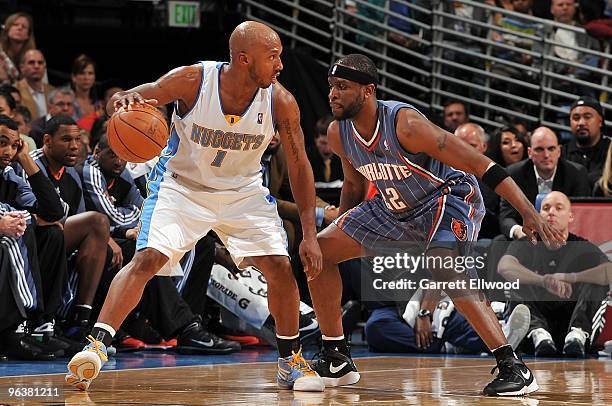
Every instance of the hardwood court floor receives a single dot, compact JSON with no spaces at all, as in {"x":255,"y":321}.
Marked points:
{"x":385,"y":380}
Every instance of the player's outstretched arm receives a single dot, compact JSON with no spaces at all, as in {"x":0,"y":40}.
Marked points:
{"x":417,"y":134}
{"x":287,"y":115}
{"x":354,"y":186}
{"x":180,"y":84}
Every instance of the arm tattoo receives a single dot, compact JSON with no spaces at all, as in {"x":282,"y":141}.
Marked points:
{"x":442,"y":141}
{"x":286,"y":125}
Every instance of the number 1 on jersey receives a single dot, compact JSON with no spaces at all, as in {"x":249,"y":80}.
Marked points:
{"x":219,"y":158}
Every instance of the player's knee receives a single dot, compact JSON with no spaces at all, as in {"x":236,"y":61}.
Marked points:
{"x":99,"y":224}
{"x":148,"y":262}
{"x":276,"y":269}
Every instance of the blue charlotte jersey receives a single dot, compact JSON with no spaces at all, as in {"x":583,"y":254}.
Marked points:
{"x":409,"y":184}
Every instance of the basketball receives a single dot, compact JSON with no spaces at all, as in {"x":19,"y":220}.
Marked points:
{"x":138,"y":134}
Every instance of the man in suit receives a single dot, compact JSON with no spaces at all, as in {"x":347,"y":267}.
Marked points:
{"x":542,"y":173}
{"x":33,"y":90}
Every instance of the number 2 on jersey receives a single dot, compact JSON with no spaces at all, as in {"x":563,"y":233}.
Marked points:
{"x":393,"y":199}
{"x":219,"y":158}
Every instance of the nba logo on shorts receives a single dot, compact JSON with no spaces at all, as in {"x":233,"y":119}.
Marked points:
{"x":259,"y":118}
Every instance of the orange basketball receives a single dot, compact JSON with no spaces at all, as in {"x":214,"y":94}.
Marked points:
{"x":138,"y":134}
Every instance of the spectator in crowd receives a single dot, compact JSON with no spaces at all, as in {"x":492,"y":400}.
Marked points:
{"x":8,"y":107}
{"x":603,"y":186}
{"x":475,"y":135}
{"x":13,"y":91}
{"x":326,"y":166}
{"x":34,"y":91}
{"x":455,"y":114}
{"x":542,"y":173}
{"x":564,"y":11}
{"x":276,"y":179}
{"x":109,"y":189}
{"x":507,"y":146}
{"x":589,"y":145}
{"x":16,"y":37}
{"x":40,"y":292}
{"x":428,"y":322}
{"x":555,"y":321}
{"x":83,"y":81}
{"x":7,"y":104}
{"x":518,"y":33}
{"x":24,"y":120}
{"x":60,"y":101}
{"x":84,"y":232}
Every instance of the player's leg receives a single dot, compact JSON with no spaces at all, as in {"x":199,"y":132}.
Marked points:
{"x":514,"y":377}
{"x":260,"y":240}
{"x":166,"y":233}
{"x":123,"y":295}
{"x":335,"y":365}
{"x":88,"y":233}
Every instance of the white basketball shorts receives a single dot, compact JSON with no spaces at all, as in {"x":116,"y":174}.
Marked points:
{"x":176,"y":215}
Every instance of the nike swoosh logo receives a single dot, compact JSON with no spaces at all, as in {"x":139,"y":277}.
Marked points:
{"x":313,"y":324}
{"x":335,"y":370}
{"x":208,"y":343}
{"x":525,"y":375}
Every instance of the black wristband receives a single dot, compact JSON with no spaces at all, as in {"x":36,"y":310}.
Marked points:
{"x":494,"y":176}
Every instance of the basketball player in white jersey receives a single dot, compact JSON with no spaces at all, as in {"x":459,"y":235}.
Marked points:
{"x":208,"y":177}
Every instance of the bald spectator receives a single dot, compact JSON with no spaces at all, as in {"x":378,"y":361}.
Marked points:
{"x":455,"y":114}
{"x":542,"y":173}
{"x":34,"y":91}
{"x":476,"y":136}
{"x":556,"y":322}
{"x":589,"y":146}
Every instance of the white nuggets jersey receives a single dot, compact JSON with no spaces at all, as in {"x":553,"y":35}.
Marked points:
{"x":218,"y":152}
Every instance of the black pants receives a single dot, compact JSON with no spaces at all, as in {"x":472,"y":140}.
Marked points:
{"x":10,"y":312}
{"x":51,"y":265}
{"x":589,"y":301}
{"x":164,"y":307}
{"x":194,"y":290}
{"x":161,"y":302}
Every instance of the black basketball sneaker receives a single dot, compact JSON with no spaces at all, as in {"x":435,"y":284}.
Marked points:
{"x":513,"y":379}
{"x":335,"y":368}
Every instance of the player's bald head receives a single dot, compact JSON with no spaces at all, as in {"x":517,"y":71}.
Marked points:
{"x":250,"y":36}
{"x":474,"y":135}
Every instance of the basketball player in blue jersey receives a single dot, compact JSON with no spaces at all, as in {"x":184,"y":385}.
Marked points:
{"x":209,"y":177}
{"x":422,"y":199}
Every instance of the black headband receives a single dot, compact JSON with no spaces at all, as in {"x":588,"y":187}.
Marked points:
{"x":344,"y":72}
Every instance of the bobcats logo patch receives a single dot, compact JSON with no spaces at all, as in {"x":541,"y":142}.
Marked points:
{"x":459,"y":229}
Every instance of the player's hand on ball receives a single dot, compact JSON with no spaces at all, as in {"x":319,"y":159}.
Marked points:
{"x":311,"y":256}
{"x":123,"y":101}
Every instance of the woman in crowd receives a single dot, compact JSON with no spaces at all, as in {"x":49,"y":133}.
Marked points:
{"x":83,"y":80}
{"x":16,"y":37}
{"x":507,"y":146}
